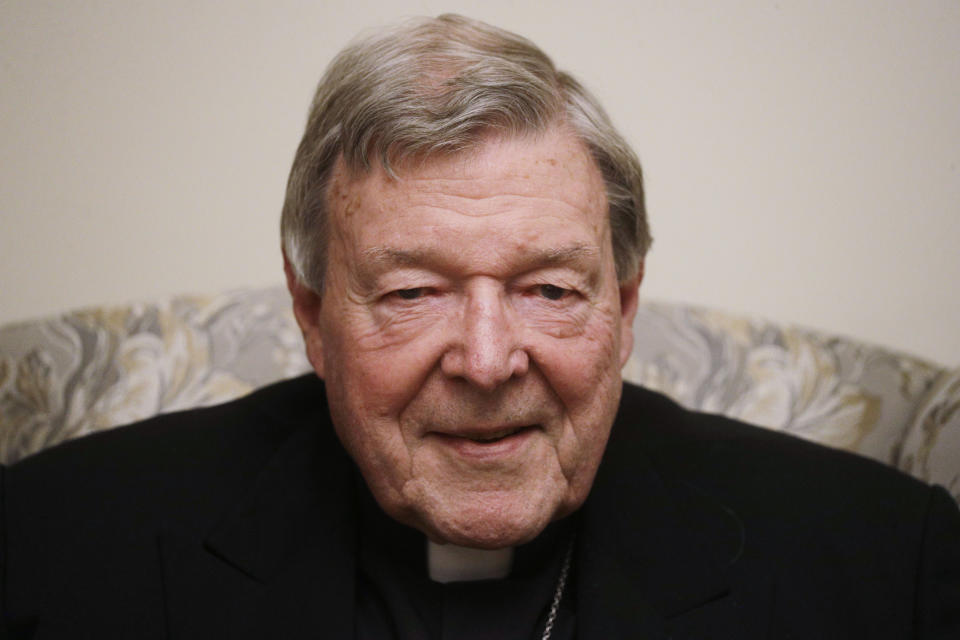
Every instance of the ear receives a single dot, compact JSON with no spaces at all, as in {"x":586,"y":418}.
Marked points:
{"x":306,"y":309}
{"x":629,"y":300}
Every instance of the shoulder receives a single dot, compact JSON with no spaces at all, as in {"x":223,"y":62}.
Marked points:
{"x":778,"y":485}
{"x":114,"y":506}
{"x":264,"y":416}
{"x":820,"y":539}
{"x":169,"y":462}
{"x":688,"y":439}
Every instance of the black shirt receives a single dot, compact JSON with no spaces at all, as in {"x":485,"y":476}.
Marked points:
{"x":397,"y":600}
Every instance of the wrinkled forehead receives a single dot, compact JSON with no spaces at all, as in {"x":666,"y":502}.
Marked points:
{"x":554,"y":161}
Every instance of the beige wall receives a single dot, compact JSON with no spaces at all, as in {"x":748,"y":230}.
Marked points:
{"x":801,"y":157}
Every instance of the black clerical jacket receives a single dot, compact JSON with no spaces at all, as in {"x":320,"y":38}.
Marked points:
{"x":238,"y":521}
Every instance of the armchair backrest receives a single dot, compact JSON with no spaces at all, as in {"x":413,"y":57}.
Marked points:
{"x":97,"y":368}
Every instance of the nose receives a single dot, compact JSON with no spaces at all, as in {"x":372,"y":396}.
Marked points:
{"x":486,"y":352}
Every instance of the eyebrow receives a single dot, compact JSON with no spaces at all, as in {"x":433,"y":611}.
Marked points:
{"x":381,"y":258}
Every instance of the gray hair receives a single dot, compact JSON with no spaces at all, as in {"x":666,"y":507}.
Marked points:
{"x":441,"y":86}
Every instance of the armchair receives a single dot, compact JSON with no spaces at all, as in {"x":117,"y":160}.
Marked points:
{"x":92,"y":369}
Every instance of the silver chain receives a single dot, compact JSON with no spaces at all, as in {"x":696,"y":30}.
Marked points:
{"x":558,"y":593}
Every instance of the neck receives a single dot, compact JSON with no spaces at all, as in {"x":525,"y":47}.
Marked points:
{"x":450,"y":563}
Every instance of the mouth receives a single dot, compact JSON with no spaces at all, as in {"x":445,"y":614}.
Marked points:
{"x":492,"y":443}
{"x":493,"y":436}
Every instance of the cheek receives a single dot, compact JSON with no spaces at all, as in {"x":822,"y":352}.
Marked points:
{"x":556,"y":320}
{"x":580,"y":366}
{"x":377,"y":373}
{"x":584,"y":373}
{"x":367,"y":393}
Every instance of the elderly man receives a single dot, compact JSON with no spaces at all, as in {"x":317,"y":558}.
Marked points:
{"x":463,"y":235}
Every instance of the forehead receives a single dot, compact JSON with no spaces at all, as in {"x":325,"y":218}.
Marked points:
{"x":545,"y":186}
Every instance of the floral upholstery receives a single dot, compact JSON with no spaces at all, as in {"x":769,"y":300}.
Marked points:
{"x":828,"y":389}
{"x":931,"y":448}
{"x":97,"y":368}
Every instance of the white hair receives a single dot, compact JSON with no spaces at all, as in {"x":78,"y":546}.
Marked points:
{"x":441,"y":86}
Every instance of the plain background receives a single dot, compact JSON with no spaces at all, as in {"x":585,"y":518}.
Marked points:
{"x":801,"y":157}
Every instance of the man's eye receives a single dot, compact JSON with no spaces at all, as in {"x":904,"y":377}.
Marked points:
{"x":552,"y":292}
{"x":409,"y":294}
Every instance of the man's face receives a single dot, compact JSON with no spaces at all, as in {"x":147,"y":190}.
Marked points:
{"x":471,"y":333}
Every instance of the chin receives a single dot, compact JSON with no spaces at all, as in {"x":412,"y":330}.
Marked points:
{"x":490,"y":521}
{"x":485,"y":533}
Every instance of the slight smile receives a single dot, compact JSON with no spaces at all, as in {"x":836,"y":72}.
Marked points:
{"x":486,"y":444}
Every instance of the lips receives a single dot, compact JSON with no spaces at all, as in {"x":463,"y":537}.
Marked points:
{"x":492,"y":436}
{"x":486,"y":443}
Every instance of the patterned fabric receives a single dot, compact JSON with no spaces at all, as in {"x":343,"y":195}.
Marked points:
{"x":932,"y":445}
{"x":823,"y":388}
{"x":97,"y":368}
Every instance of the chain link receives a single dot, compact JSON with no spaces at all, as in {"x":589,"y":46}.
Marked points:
{"x":558,"y":593}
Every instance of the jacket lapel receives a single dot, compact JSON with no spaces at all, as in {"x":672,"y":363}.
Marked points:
{"x":281,"y":563}
{"x":659,"y":553}
{"x":657,"y":557}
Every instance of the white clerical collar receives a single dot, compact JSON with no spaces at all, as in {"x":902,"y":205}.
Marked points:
{"x":450,"y":563}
